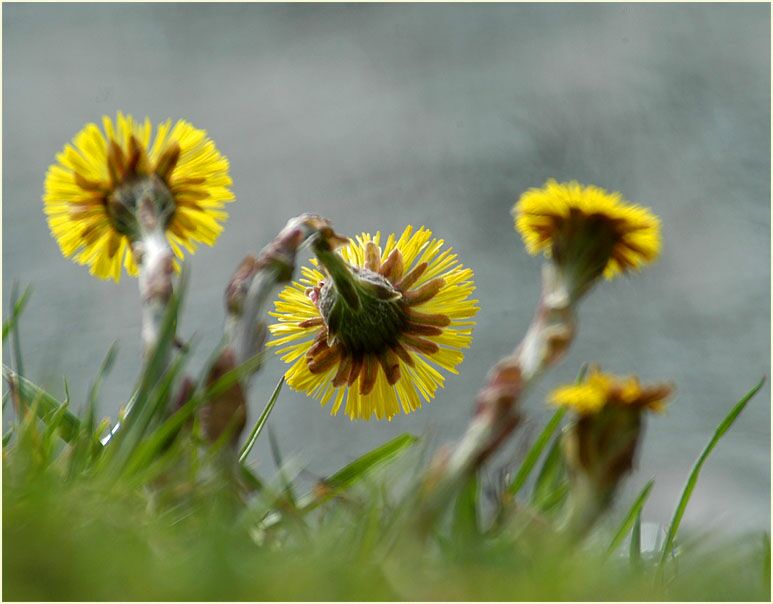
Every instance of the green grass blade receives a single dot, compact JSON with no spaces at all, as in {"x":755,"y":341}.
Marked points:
{"x":551,"y":486}
{"x":536,"y":450}
{"x":104,"y":369}
{"x":47,"y":404}
{"x":17,"y":304}
{"x":723,"y":427}
{"x":130,"y":438}
{"x":54,"y":420}
{"x":634,"y":554}
{"x":530,"y":461}
{"x":351,"y":473}
{"x":164,"y":433}
{"x":465,"y":515}
{"x":152,"y":446}
{"x":287,"y":487}
{"x":148,"y":402}
{"x":258,"y":427}
{"x":250,"y":480}
{"x":18,"y":307}
{"x":631,"y":517}
{"x":236,"y":374}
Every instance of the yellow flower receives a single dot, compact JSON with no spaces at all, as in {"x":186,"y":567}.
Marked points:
{"x":600,"y":390}
{"x":574,"y":223}
{"x":371,"y":333}
{"x":91,"y":192}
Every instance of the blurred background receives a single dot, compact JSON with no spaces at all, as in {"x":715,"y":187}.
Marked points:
{"x":378,"y":116}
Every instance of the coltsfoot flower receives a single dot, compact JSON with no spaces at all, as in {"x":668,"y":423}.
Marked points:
{"x":601,"y":389}
{"x":367,"y":327}
{"x":587,"y":231}
{"x":600,"y":445}
{"x":91,"y":193}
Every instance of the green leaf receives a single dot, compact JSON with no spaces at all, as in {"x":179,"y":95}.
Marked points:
{"x":47,"y":404}
{"x":104,"y":369}
{"x":251,"y":481}
{"x":155,"y":442}
{"x":351,"y":473}
{"x":18,"y":307}
{"x":723,"y":427}
{"x":54,"y":420}
{"x":355,"y":471}
{"x":634,"y":554}
{"x":150,"y":399}
{"x":633,"y":513}
{"x":532,"y":457}
{"x":258,"y":427}
{"x":130,"y":438}
{"x":530,"y":461}
{"x":465,"y":515}
{"x":287,"y":487}
{"x":551,"y":486}
{"x":157,"y":363}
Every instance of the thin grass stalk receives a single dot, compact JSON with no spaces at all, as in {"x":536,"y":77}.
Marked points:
{"x":692,"y":480}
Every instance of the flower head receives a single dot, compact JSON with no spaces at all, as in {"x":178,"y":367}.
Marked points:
{"x":587,"y":230}
{"x":603,"y":389}
{"x":369,"y":328}
{"x":601,"y":443}
{"x":91,"y":193}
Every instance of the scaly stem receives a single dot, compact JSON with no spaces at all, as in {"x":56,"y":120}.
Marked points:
{"x":496,"y":408}
{"x":251,"y":287}
{"x":155,"y":261}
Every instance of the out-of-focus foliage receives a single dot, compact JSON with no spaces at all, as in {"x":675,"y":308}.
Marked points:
{"x":156,"y":514}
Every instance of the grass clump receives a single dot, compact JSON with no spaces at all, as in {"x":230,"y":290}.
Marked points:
{"x":162,"y":514}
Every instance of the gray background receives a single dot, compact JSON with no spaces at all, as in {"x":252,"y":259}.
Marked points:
{"x":382,"y":115}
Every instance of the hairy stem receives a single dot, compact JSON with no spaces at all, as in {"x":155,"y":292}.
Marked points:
{"x":497,"y":411}
{"x":155,"y":260}
{"x":249,"y":290}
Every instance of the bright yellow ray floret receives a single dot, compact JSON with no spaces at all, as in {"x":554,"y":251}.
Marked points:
{"x":98,"y":161}
{"x":561,"y":210}
{"x":396,"y":375}
{"x":601,"y":389}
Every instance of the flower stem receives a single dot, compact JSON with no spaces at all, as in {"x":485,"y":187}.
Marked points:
{"x":496,"y":407}
{"x":249,"y":290}
{"x":155,"y":261}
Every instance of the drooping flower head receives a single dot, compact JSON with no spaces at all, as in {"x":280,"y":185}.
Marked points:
{"x":92,"y":192}
{"x":368,"y":327}
{"x":602,"y":389}
{"x":601,"y":443}
{"x":587,"y":231}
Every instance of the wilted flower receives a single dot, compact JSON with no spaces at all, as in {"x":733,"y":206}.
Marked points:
{"x":587,"y":231}
{"x":92,"y":192}
{"x":369,"y":328}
